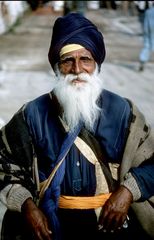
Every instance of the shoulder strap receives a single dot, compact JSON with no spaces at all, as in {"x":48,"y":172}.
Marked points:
{"x":100,"y":155}
{"x":90,"y":155}
{"x":67,"y":143}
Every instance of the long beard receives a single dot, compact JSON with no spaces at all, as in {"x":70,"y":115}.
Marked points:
{"x":79,"y":101}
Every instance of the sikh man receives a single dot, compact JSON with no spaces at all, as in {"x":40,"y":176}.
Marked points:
{"x":77,"y":163}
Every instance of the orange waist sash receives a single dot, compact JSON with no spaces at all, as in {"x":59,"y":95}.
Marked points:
{"x":73,"y":202}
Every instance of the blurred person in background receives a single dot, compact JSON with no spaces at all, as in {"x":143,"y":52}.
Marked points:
{"x":35,"y":4}
{"x":77,"y":162}
{"x":142,"y":6}
{"x":146,"y":18}
{"x":75,"y":6}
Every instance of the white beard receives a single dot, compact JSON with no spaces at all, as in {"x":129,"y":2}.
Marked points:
{"x":79,"y":100}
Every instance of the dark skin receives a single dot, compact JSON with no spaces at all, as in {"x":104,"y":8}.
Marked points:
{"x":116,"y":208}
{"x":112,"y":217}
{"x":36,"y":220}
{"x":76,"y":62}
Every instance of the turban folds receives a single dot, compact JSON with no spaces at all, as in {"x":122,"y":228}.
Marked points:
{"x":75,"y":28}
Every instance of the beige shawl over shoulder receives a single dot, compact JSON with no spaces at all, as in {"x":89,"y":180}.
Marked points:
{"x":139,"y":148}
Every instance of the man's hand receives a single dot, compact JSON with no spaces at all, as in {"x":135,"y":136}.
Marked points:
{"x":36,"y":220}
{"x":115,"y":210}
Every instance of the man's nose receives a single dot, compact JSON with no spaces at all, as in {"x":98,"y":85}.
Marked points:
{"x":77,"y":67}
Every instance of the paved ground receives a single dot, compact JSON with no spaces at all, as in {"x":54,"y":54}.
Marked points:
{"x":25,"y":72}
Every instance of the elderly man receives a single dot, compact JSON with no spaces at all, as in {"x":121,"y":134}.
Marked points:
{"x":77,"y":162}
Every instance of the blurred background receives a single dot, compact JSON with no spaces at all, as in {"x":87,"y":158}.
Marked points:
{"x":25,"y":35}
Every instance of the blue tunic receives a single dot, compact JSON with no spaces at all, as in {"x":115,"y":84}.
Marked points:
{"x":48,"y":135}
{"x":76,"y":176}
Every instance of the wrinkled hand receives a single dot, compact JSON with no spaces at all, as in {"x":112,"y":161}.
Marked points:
{"x":115,"y":210}
{"x":36,"y":220}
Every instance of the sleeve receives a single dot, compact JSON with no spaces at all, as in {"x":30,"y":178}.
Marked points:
{"x":140,"y":181}
{"x":16,"y":156}
{"x":13,"y":196}
{"x":144,"y":177}
{"x":130,"y":183}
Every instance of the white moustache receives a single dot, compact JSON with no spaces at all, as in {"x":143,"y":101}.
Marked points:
{"x":84,"y":77}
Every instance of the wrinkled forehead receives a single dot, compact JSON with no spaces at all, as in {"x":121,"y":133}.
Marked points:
{"x":74,"y":50}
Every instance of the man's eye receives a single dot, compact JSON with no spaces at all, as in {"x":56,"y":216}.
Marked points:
{"x":86,"y":60}
{"x":66,"y":62}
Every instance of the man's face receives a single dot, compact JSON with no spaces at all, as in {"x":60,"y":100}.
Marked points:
{"x":78,"y":87}
{"x":76,"y":62}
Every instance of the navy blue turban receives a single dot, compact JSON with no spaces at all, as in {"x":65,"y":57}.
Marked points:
{"x":75,"y":28}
